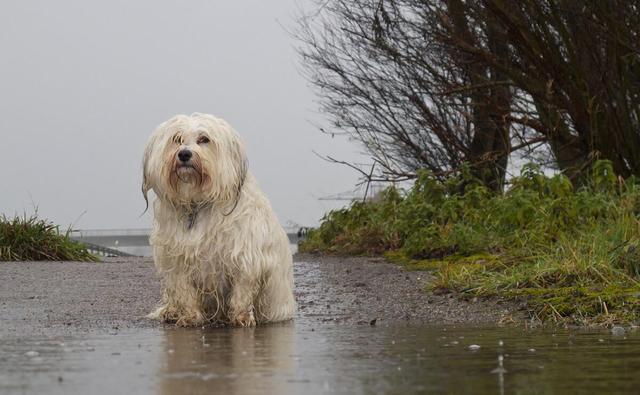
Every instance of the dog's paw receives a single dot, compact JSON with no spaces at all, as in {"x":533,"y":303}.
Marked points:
{"x":163,"y":313}
{"x":244,"y":319}
{"x":180,"y":317}
{"x":189,"y":319}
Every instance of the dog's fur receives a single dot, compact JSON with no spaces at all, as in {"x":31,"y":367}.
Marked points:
{"x":217,"y":244}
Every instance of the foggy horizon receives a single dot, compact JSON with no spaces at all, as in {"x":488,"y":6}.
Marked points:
{"x":85,"y":84}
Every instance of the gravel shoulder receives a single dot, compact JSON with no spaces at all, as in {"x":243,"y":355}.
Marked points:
{"x":70,"y":297}
{"x":356,"y":290}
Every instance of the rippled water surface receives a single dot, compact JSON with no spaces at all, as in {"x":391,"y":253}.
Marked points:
{"x":302,"y":359}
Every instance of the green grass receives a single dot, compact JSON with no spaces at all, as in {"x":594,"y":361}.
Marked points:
{"x":28,"y":238}
{"x":569,"y":255}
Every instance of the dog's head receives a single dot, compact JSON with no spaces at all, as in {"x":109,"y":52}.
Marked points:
{"x":194,"y":160}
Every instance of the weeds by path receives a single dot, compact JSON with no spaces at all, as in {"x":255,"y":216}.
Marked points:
{"x":29,"y":238}
{"x":567,"y":253}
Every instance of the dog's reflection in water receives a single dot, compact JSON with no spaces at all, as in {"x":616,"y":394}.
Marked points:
{"x":228,"y":360}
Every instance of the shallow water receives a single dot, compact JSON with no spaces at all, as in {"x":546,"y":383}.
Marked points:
{"x":297,"y":358}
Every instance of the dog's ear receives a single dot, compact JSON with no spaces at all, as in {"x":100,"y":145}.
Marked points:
{"x":239,"y":156}
{"x":146,"y":184}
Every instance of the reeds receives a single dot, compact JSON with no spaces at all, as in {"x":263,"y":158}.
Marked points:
{"x":29,"y":238}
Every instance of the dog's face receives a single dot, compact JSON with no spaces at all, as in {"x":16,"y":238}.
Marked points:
{"x":193,"y":160}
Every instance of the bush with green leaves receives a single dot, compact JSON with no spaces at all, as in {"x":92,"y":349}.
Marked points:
{"x":567,"y":252}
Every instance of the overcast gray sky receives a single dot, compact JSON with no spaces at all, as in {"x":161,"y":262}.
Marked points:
{"x":84,"y":83}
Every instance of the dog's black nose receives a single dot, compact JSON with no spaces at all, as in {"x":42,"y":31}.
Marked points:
{"x":184,"y":155}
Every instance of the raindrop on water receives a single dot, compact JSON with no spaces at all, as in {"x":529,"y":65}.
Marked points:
{"x":474,"y":347}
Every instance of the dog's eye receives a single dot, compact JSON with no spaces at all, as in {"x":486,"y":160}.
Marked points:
{"x":177,"y":139}
{"x":203,"y":140}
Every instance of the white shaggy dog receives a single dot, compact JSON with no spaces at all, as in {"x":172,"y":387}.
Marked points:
{"x":217,"y":244}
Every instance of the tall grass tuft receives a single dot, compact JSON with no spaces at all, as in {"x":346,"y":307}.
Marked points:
{"x":29,"y":238}
{"x":567,"y":253}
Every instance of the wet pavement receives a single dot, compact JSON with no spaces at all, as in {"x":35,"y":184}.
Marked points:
{"x":47,"y":298}
{"x":79,"y":328}
{"x":296,"y":358}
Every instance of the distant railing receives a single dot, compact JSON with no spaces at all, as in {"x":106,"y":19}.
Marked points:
{"x":104,"y":251}
{"x":111,"y":232}
{"x":147,"y":231}
{"x":107,"y":242}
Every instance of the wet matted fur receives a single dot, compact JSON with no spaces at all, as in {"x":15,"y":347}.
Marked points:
{"x":221,"y":253}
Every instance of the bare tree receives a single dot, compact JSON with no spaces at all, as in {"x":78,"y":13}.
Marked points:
{"x":387,"y":79}
{"x":574,"y":68}
{"x":436,"y":83}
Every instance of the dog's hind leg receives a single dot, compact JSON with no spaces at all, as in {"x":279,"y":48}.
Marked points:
{"x":275,"y":301}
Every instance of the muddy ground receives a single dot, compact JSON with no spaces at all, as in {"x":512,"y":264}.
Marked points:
{"x":66,"y":297}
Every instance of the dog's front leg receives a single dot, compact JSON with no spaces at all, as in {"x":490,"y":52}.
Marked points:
{"x":182,"y":302}
{"x":243,"y":295}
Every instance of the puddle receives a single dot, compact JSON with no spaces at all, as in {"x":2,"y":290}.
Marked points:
{"x":297,"y":358}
